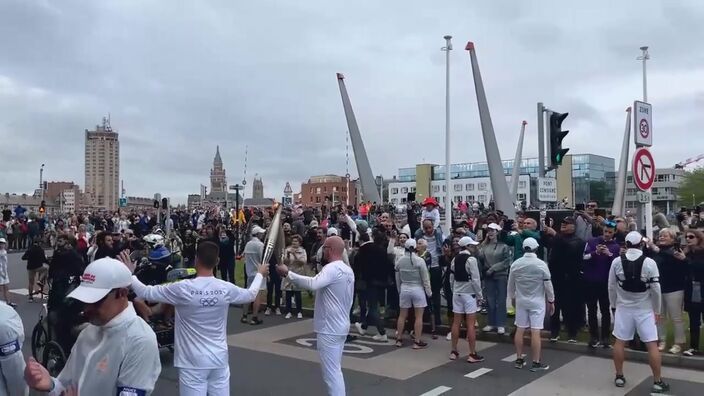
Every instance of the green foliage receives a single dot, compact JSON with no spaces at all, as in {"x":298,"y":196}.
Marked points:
{"x":692,"y":188}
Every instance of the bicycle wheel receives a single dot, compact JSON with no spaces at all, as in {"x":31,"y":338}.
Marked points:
{"x":39,"y":339}
{"x":54,"y":358}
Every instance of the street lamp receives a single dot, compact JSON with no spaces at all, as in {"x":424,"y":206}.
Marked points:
{"x":41,"y":181}
{"x":448,"y":204}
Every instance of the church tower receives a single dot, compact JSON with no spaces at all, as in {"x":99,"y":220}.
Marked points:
{"x":218,"y":181}
{"x":258,"y":188}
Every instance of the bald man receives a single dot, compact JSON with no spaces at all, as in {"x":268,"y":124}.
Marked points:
{"x":335,"y":289}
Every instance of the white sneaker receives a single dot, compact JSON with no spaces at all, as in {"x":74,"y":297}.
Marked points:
{"x":675,"y":349}
{"x":487,"y":329}
{"x":449,"y":336}
{"x":267,"y":312}
{"x":288,"y":316}
{"x":360,"y":330}
{"x":501,"y":331}
{"x":299,"y":316}
{"x":379,"y":337}
{"x":278,"y":311}
{"x":661,"y":346}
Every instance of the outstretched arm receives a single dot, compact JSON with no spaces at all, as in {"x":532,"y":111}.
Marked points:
{"x":323,"y":279}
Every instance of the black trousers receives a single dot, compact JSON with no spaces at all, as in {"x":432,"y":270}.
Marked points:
{"x":227,"y":272}
{"x":273,"y":290}
{"x":435,"y":287}
{"x":374,"y":294}
{"x":293,"y":294}
{"x":447,"y":291}
{"x":598,"y":293}
{"x":696,"y":312}
{"x":569,"y":302}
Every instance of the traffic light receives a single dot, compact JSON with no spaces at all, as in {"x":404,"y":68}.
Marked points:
{"x":156,"y":204}
{"x":557,"y":153}
{"x":164,"y":203}
{"x":42,"y":207}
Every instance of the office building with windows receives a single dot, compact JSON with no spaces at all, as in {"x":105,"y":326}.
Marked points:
{"x":664,"y":192}
{"x":580,"y":178}
{"x":102,"y":167}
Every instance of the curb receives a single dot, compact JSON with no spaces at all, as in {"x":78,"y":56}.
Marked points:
{"x":669,"y":360}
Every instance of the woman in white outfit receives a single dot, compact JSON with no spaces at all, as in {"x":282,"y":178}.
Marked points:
{"x":413,"y":283}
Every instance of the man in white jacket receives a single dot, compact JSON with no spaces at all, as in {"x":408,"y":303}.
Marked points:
{"x":530,"y":285}
{"x":202,"y":304}
{"x":11,"y":360}
{"x":117,"y":354}
{"x":331,"y":322}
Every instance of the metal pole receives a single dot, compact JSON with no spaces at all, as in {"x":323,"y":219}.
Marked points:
{"x":649,"y":205}
{"x":499,"y":186}
{"x":620,"y":193}
{"x":41,"y":181}
{"x":541,"y":140}
{"x":448,"y":195}
{"x":517,"y":162}
{"x":237,"y":218}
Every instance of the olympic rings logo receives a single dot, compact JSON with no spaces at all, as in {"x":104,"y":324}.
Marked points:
{"x":208,"y":302}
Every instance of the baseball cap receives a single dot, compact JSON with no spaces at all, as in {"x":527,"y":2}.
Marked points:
{"x":258,"y":230}
{"x":568,"y":220}
{"x":2,"y":240}
{"x":495,"y":226}
{"x":464,"y":241}
{"x":313,"y":224}
{"x":410,"y":244}
{"x":99,"y":278}
{"x":530,"y":243}
{"x":332,"y":231}
{"x":634,"y":238}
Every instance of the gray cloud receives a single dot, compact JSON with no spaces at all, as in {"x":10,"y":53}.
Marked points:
{"x":179,"y":78}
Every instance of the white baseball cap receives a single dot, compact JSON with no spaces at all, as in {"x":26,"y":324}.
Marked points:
{"x":313,"y":224}
{"x":410,"y":243}
{"x":464,"y":241}
{"x":258,"y":230}
{"x":495,"y":226}
{"x":2,"y":240}
{"x":99,"y":278}
{"x":332,"y":231}
{"x":634,"y":238}
{"x":530,"y":243}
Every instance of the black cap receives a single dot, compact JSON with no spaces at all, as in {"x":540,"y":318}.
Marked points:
{"x":568,"y":220}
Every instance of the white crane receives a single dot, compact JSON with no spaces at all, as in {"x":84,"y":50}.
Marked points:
{"x":689,"y":161}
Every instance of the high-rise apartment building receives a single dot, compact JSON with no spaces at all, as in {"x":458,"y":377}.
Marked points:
{"x":102,"y":167}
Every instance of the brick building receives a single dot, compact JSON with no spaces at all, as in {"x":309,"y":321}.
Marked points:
{"x":330,"y":187}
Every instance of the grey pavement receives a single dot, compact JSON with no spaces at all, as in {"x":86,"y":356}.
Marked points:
{"x":279,"y":357}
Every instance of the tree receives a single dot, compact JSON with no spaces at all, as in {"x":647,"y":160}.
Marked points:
{"x":691,"y":190}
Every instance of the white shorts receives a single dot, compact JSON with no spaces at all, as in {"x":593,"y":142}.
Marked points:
{"x":464,"y":303}
{"x":195,"y":382}
{"x":530,"y":318}
{"x":250,"y":279}
{"x":413,"y":298}
{"x":628,"y":321}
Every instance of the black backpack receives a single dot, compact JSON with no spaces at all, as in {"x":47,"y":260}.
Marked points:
{"x":460,"y":272}
{"x":632,"y":270}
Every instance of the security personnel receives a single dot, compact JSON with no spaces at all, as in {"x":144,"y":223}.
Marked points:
{"x":11,"y":360}
{"x":634,"y":294}
{"x":117,"y":354}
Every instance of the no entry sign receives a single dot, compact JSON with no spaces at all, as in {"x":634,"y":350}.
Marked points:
{"x":643,"y":169}
{"x":643,"y":124}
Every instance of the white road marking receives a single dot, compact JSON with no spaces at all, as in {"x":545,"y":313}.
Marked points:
{"x":22,"y":292}
{"x":437,"y":391}
{"x":478,"y":373}
{"x":510,"y":358}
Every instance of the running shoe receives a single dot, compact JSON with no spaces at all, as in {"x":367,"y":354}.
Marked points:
{"x":520,"y":363}
{"x":620,"y":381}
{"x":660,"y":387}
{"x":475,"y":358}
{"x":539,"y":366}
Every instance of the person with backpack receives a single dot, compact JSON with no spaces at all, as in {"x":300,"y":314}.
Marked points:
{"x":634,"y":294}
{"x":466,"y":292}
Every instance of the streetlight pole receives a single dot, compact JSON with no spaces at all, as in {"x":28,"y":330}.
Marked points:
{"x":41,"y":181}
{"x":448,"y":195}
{"x":648,"y":207}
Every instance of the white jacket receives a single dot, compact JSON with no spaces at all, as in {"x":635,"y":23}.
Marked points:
{"x":119,"y":358}
{"x":11,"y":359}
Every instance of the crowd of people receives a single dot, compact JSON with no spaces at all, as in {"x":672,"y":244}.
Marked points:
{"x":581,"y":269}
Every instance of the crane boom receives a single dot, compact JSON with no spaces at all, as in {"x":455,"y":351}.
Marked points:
{"x":689,"y":161}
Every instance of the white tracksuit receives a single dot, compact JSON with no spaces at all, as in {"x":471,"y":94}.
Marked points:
{"x":331,"y":322}
{"x":11,"y":359}
{"x":119,"y":358}
{"x":200,"y":349}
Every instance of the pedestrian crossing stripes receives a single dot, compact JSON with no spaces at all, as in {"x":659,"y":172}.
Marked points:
{"x":478,"y":373}
{"x":437,"y":391}
{"x":510,"y":358}
{"x":21,"y":292}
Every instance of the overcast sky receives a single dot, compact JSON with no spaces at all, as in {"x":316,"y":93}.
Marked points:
{"x":180,"y":77}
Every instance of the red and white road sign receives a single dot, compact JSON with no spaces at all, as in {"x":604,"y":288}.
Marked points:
{"x":643,"y":124}
{"x":643,"y":169}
